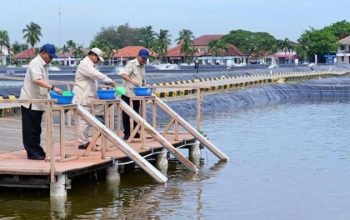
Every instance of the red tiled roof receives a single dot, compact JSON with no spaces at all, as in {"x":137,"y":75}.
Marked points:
{"x":232,"y":51}
{"x":130,"y":51}
{"x":174,"y":52}
{"x":65,"y":54}
{"x":25,"y":54}
{"x":205,"y":39}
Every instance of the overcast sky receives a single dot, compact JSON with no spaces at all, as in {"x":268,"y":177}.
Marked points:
{"x":80,"y":20}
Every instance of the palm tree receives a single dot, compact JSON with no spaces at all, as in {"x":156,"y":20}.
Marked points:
{"x":79,"y":51}
{"x":217,"y":47}
{"x":65,"y":50}
{"x":32,"y":32}
{"x":4,"y":40}
{"x":147,"y":36}
{"x":70,"y":48}
{"x":185,"y":41}
{"x":161,"y":43}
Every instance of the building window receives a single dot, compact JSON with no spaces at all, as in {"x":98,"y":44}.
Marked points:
{"x":342,"y":59}
{"x":342,"y":47}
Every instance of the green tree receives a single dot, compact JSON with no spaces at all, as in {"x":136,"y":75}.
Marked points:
{"x":161,"y":44}
{"x":185,"y":40}
{"x":120,"y":36}
{"x":71,"y":45}
{"x":147,"y":36}
{"x":241,"y":39}
{"x":265,"y":43}
{"x":32,"y":32}
{"x":340,"y":29}
{"x":79,"y":51}
{"x":70,"y":48}
{"x":253,"y":43}
{"x":218,"y":48}
{"x":286,"y":43}
{"x":17,"y":47}
{"x":319,"y":42}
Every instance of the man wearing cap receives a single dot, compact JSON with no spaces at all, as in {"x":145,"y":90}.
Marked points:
{"x":133,"y":75}
{"x":36,"y":86}
{"x":85,"y":88}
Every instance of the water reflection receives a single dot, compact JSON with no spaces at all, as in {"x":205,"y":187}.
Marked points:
{"x":286,"y":161}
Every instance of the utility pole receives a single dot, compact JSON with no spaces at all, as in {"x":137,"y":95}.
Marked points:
{"x":59,"y":23}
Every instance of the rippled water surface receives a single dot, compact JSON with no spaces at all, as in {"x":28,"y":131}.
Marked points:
{"x":286,"y":162}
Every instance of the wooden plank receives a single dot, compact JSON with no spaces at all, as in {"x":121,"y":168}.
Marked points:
{"x":16,"y":162}
{"x":49,"y":141}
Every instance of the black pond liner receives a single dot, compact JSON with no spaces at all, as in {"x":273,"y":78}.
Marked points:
{"x":321,"y":90}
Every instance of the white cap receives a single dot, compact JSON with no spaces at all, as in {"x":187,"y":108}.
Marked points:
{"x":99,"y":53}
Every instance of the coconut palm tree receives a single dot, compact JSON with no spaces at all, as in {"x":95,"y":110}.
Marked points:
{"x":217,"y":47}
{"x":70,"y":48}
{"x":161,"y":44}
{"x":79,"y":51}
{"x":4,"y":40}
{"x":147,"y":36}
{"x":65,"y":50}
{"x":185,"y":41}
{"x":32,"y":32}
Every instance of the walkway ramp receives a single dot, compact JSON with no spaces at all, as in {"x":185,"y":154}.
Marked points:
{"x":128,"y":150}
{"x":191,"y":130}
{"x":155,"y":134}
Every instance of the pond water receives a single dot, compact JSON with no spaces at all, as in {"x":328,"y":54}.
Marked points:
{"x":287,"y":161}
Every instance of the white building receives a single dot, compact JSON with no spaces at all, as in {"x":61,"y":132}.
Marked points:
{"x":4,"y":54}
{"x":343,"y":53}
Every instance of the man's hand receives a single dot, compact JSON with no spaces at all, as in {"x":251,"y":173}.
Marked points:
{"x":114,"y":84}
{"x":111,"y":83}
{"x":57,"y":90}
{"x":136,"y":83}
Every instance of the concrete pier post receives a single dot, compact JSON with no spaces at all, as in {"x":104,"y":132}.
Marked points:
{"x":113,"y":175}
{"x":58,"y":207}
{"x":58,"y":188}
{"x":162,"y":161}
{"x":195,"y":153}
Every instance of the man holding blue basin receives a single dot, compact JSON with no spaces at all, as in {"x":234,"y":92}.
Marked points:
{"x":85,"y":88}
{"x":133,"y":75}
{"x":36,"y":86}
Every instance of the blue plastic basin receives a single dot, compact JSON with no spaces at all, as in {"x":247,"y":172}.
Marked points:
{"x":61,"y":99}
{"x":143,"y":91}
{"x":106,"y":94}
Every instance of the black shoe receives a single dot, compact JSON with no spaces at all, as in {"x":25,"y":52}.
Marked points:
{"x":84,"y":146}
{"x":126,"y":137}
{"x":36,"y":156}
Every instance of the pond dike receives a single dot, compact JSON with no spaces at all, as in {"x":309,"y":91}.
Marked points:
{"x":334,"y":89}
{"x":238,"y":88}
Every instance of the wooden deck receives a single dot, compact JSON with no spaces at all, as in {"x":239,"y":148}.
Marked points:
{"x":64,"y":160}
{"x":13,"y":161}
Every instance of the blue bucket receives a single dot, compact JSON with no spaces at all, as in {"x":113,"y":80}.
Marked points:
{"x":143,"y":91}
{"x":106,"y":94}
{"x":62,"y":99}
